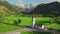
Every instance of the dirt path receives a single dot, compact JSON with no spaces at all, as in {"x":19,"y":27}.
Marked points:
{"x":17,"y":31}
{"x":23,"y":30}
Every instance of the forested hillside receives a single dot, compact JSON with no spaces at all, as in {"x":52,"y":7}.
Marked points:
{"x":52,"y":8}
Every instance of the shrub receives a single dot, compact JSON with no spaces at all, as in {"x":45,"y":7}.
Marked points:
{"x":16,"y":22}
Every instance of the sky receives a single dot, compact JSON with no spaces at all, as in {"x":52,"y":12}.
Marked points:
{"x":31,"y":1}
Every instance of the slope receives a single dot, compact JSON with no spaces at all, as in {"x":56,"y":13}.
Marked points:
{"x":8,"y":8}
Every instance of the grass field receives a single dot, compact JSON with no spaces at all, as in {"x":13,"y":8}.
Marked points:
{"x":5,"y":27}
{"x":25,"y":21}
{"x":9,"y":20}
{"x":54,"y":26}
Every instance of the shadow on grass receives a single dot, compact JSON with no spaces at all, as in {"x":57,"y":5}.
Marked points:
{"x":14,"y":24}
{"x":36,"y":32}
{"x":23,"y":26}
{"x":41,"y":33}
{"x":43,"y":22}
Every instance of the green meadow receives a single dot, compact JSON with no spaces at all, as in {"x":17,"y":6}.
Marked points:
{"x":14,"y":18}
{"x":8,"y":24}
{"x":6,"y":27}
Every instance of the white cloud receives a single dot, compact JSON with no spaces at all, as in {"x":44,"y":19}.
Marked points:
{"x":19,"y":1}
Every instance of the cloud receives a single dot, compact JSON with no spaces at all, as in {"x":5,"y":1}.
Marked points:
{"x":19,"y":1}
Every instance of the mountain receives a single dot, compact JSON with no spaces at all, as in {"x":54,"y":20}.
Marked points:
{"x":7,"y":8}
{"x":52,"y":8}
{"x":27,"y":7}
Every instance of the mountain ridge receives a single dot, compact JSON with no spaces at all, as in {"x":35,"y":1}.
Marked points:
{"x":49,"y":8}
{"x":9,"y":8}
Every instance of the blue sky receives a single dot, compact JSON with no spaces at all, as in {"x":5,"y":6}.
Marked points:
{"x":31,"y":1}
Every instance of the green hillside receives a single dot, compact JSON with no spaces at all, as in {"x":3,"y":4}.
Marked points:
{"x":7,"y":8}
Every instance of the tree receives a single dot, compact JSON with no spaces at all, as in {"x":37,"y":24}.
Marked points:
{"x":16,"y":22}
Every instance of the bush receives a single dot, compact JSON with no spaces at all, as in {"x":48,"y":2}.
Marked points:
{"x":16,"y":22}
{"x":58,"y":21}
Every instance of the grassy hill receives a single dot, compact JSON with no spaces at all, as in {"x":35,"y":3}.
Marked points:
{"x":7,"y":8}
